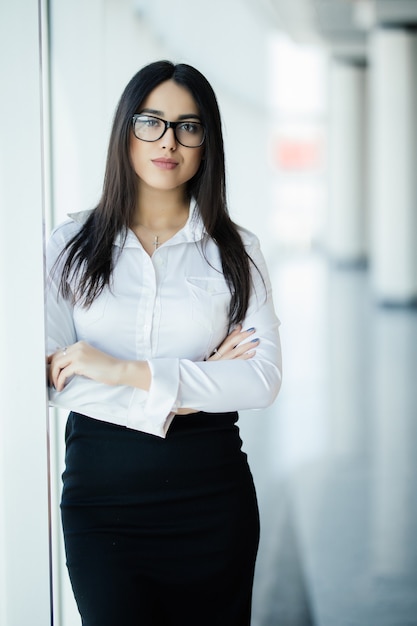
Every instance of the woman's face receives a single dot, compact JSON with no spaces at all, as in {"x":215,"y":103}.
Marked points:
{"x":165,"y":164}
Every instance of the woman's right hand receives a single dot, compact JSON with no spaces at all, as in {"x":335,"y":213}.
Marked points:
{"x":233,"y":348}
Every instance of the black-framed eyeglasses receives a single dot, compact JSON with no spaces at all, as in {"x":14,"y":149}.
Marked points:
{"x":188,"y":133}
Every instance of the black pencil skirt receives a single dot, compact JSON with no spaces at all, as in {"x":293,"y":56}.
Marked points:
{"x":160,"y":532}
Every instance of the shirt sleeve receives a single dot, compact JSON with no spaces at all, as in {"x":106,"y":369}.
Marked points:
{"x":60,"y":325}
{"x":222,"y":386}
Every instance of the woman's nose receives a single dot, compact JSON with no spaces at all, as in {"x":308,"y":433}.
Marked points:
{"x":168,"y":139}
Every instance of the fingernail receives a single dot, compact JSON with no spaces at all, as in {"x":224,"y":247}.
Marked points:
{"x":250,"y":330}
{"x":254,"y":340}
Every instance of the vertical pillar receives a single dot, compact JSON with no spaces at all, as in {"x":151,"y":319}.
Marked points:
{"x":394,"y":397}
{"x":393,"y":100}
{"x":346,"y":234}
{"x":24,"y":543}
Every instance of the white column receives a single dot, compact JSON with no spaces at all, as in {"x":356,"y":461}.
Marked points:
{"x":391,"y":430}
{"x":346,"y":231}
{"x":24,"y":551}
{"x":393,"y":99}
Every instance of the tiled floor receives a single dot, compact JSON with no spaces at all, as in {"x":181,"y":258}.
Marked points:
{"x":335,"y":458}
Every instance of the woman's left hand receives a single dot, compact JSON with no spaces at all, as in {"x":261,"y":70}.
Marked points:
{"x":233,"y":348}
{"x":83,"y":360}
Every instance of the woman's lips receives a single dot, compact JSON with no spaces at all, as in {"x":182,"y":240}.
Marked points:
{"x":165,"y":164}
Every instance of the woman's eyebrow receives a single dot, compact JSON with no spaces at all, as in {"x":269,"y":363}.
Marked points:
{"x":193,"y":116}
{"x":152,"y":112}
{"x":186,"y":116}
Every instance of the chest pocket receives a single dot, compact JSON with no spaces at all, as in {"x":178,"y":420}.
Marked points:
{"x":210,"y":302}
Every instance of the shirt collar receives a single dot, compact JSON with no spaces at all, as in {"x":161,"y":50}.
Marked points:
{"x":192,"y":231}
{"x":81,"y":216}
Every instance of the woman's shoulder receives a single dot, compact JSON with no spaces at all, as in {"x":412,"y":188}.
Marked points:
{"x":66,"y":230}
{"x":62,"y":234}
{"x":250,"y":240}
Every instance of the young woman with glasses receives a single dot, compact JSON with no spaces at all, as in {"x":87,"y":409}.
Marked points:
{"x":161,"y":327}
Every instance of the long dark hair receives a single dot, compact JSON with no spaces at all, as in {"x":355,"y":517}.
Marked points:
{"x":89,"y":256}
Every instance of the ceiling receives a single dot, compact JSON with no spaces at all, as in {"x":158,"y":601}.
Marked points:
{"x":340,"y":24}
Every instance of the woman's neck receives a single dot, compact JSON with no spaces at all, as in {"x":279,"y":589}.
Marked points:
{"x":158,"y":217}
{"x":160,"y":211}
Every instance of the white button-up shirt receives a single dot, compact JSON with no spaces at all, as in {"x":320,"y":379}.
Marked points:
{"x":170,"y":309}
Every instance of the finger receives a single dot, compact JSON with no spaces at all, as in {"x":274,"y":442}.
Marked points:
{"x":54,"y":375}
{"x":59,"y":362}
{"x":246,"y":355}
{"x":244,"y":348}
{"x":62,"y":377}
{"x":61,"y":374}
{"x":235,"y":338}
{"x":235,"y":331}
{"x":51,"y":371}
{"x":232,"y":342}
{"x":237,"y":352}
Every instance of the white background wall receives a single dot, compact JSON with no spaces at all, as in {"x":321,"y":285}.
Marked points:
{"x":24,"y":557}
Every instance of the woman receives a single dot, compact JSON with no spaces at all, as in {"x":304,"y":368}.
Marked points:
{"x":153,"y":301}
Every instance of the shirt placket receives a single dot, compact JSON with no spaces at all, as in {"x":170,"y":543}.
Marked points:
{"x":159,"y":261}
{"x":149,"y":311}
{"x":146,"y":307}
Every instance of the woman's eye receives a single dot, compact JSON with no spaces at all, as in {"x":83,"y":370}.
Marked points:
{"x":190,"y":128}
{"x":151,"y":123}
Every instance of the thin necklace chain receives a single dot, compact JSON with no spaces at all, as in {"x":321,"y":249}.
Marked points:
{"x":156,"y":243}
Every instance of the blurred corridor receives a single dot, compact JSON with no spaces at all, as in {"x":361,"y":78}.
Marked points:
{"x":334,"y":460}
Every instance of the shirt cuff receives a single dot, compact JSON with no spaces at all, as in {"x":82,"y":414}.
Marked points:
{"x":156,"y":413}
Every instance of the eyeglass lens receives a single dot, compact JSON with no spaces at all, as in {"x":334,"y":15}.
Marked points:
{"x":187,"y":133}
